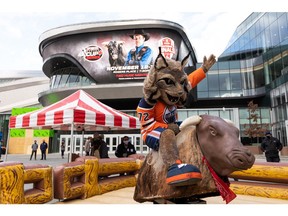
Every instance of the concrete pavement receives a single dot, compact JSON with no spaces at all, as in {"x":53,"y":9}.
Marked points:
{"x":55,"y":159}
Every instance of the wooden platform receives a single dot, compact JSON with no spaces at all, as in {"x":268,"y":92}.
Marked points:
{"x":125,"y":196}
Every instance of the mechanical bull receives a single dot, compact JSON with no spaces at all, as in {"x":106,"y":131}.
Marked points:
{"x":210,"y":143}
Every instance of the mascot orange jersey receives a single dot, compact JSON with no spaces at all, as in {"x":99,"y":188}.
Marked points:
{"x":155,"y":118}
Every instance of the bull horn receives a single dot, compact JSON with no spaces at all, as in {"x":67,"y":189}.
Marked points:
{"x":193,"y":120}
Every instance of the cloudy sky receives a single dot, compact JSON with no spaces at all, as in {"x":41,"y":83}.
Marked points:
{"x":209,"y":26}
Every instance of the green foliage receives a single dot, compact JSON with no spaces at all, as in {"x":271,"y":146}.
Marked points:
{"x":19,"y":111}
{"x":43,"y":133}
{"x":17,"y":132}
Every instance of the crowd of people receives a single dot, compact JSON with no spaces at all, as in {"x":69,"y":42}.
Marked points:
{"x":96,"y":146}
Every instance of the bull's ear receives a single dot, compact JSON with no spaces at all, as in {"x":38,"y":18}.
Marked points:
{"x":213,"y":131}
{"x":160,"y":61}
{"x":185,"y":60}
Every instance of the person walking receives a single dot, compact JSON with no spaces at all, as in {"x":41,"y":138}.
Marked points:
{"x":62,"y":149}
{"x":271,"y":146}
{"x":34,"y":148}
{"x":43,"y":148}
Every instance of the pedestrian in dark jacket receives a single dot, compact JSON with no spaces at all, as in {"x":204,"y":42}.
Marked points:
{"x":62,"y":149}
{"x":95,"y":145}
{"x":125,"y":148}
{"x":271,"y":146}
{"x":103,"y":149}
{"x":43,"y":148}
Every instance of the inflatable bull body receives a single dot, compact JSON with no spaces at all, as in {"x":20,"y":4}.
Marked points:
{"x":211,"y":144}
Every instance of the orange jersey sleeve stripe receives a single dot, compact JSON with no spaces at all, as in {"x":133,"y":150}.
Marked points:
{"x":196,"y":76}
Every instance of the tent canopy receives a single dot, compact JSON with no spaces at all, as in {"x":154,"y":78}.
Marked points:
{"x":79,"y":109}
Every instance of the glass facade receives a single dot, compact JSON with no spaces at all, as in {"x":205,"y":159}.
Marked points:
{"x":68,"y":77}
{"x":253,"y":65}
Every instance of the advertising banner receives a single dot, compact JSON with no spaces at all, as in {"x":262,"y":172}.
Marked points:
{"x":120,"y":55}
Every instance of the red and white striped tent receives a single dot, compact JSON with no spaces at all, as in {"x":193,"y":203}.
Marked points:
{"x":76,"y":112}
{"x":80,"y":112}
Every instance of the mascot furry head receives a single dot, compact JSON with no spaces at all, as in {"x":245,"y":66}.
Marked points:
{"x":167,"y":81}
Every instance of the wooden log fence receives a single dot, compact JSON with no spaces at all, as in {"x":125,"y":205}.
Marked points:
{"x":85,"y":177}
{"x":263,"y":179}
{"x":88,"y":176}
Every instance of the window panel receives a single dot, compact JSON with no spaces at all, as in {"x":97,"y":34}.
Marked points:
{"x":236,"y":81}
{"x":213,"y":81}
{"x":225,"y":83}
{"x":275,"y":39}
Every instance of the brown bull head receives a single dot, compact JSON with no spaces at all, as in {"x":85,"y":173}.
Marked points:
{"x":220,"y":144}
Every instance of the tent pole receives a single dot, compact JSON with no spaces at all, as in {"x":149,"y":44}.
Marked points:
{"x":81,"y":149}
{"x":7,"y":144}
{"x":71,"y":143}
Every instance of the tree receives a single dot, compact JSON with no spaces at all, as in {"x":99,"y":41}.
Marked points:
{"x":255,"y":128}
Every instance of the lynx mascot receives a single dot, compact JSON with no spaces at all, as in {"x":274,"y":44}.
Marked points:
{"x":166,"y":88}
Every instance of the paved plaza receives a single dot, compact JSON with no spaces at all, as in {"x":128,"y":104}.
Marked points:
{"x":55,"y":159}
{"x":125,"y":195}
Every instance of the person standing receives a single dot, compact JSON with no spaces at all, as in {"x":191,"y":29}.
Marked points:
{"x":95,"y":144}
{"x":62,"y":149}
{"x":43,"y":148}
{"x":271,"y":146}
{"x":103,"y":149}
{"x":88,"y":145}
{"x":125,"y":148}
{"x":34,"y":148}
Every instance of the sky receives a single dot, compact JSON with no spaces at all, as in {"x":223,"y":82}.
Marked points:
{"x":208,"y":25}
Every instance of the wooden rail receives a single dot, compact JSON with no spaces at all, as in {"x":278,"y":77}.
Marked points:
{"x":83,"y":178}
{"x":263,"y":179}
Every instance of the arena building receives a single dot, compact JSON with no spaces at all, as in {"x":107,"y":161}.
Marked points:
{"x":253,"y":67}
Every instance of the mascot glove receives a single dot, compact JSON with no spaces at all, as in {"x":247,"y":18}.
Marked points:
{"x":208,"y":63}
{"x":174,"y":127}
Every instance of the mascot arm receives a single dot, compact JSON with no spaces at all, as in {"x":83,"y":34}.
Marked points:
{"x":196,"y":77}
{"x":174,"y":127}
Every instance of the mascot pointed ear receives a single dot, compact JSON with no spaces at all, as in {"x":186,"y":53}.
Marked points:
{"x":160,"y":61}
{"x":185,"y":60}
